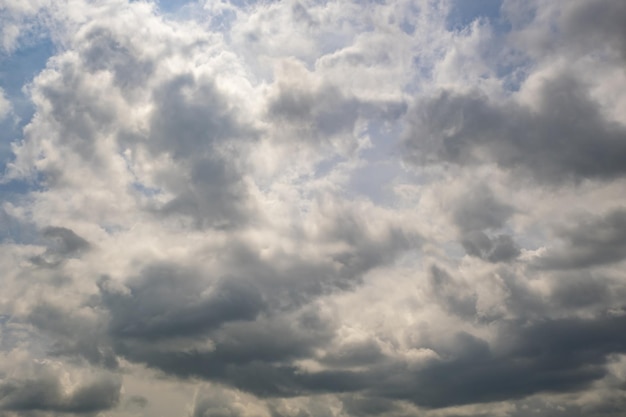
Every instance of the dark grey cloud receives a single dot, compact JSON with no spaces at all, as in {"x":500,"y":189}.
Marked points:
{"x":453,"y":296}
{"x":191,"y":122}
{"x":214,"y":196}
{"x":261,"y":378}
{"x":274,"y":338}
{"x":318,"y":114}
{"x":500,"y":248}
{"x":105,"y":50}
{"x":567,"y":139}
{"x":257,"y":325}
{"x":45,"y":393}
{"x":168,"y":301}
{"x":324,"y":112}
{"x":65,"y":241}
{"x":604,"y":406}
{"x":246,"y":327}
{"x":293,"y":280}
{"x":354,"y":354}
{"x":477,"y":212}
{"x":62,"y":243}
{"x":549,"y":355}
{"x":212,"y":408}
{"x":79,"y":114}
{"x":359,"y":405}
{"x":595,"y":240}
{"x":480,"y":209}
{"x":522,"y":301}
{"x":74,"y":334}
{"x":580,"y":290}
{"x":254,"y":354}
{"x":525,"y":358}
{"x":597,"y":24}
{"x":191,"y":116}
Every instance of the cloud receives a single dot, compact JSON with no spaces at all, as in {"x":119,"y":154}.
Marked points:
{"x":477,"y":212}
{"x":215,"y":404}
{"x":580,"y":22}
{"x":451,"y":294}
{"x":578,"y":28}
{"x":190,"y":117}
{"x":593,"y":241}
{"x":514,"y":366}
{"x":66,"y":242}
{"x":479,"y":209}
{"x":582,"y":291}
{"x":315,"y":209}
{"x":324,"y":112}
{"x":167,"y":302}
{"x":63,"y":244}
{"x":46,"y":392}
{"x":498,"y":249}
{"x":565,"y":139}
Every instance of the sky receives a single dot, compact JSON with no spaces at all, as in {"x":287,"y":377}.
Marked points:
{"x":309,"y":208}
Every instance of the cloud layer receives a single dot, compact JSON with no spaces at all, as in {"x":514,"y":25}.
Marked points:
{"x":312,"y":208}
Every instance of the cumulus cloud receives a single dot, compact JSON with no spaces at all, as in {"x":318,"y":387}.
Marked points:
{"x":315,"y":209}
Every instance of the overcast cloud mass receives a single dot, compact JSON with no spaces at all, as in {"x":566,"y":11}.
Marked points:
{"x":308,"y":208}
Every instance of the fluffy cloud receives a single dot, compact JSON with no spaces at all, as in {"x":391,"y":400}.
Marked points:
{"x":311,"y":208}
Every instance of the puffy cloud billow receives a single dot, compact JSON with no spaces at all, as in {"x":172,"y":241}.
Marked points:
{"x":313,"y":208}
